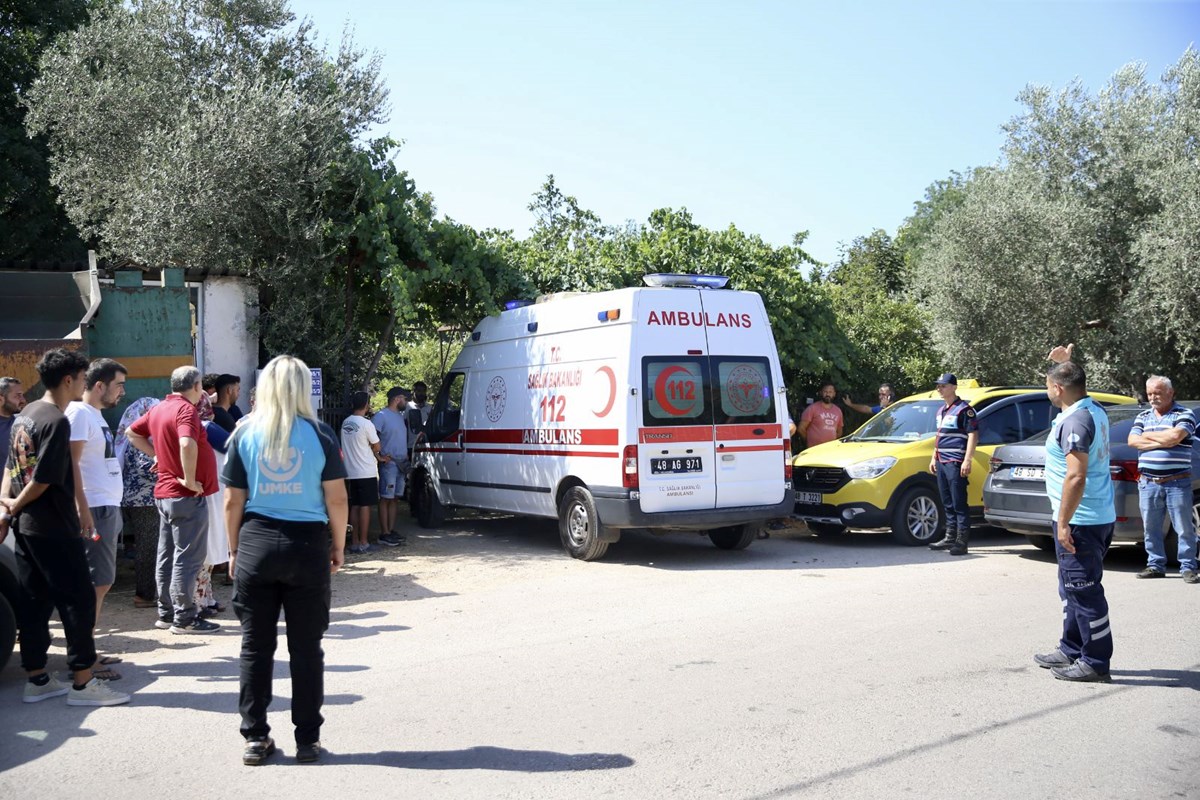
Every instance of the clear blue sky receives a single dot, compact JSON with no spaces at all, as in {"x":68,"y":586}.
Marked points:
{"x":778,"y":117}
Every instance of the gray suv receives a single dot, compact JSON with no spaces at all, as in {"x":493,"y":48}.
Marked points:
{"x":1014,"y":494}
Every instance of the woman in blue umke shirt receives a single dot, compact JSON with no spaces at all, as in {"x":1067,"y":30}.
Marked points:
{"x":285,"y":510}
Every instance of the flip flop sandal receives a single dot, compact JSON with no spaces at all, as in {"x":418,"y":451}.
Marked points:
{"x":107,"y":660}
{"x":106,"y":674}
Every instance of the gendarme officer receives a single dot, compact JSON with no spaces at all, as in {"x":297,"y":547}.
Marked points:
{"x":954,"y":447}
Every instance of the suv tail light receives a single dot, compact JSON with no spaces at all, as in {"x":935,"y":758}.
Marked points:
{"x":995,"y":464}
{"x":629,"y":469}
{"x":787,"y":459}
{"x":1124,"y":470}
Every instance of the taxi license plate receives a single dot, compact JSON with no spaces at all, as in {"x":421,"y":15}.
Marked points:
{"x":1028,"y":473}
{"x":675,"y":466}
{"x":809,"y":498}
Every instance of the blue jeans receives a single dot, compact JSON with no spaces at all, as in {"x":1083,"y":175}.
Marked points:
{"x":1087,"y":634}
{"x":1157,"y":500}
{"x":952,"y":486}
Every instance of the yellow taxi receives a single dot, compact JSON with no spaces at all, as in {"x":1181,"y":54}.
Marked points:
{"x":878,"y":477}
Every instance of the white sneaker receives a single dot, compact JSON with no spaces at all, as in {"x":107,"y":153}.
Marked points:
{"x":36,"y":694}
{"x":96,"y":693}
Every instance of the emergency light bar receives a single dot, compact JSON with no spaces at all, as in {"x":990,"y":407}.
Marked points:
{"x":674,"y":279}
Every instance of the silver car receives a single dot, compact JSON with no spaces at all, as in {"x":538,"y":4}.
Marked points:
{"x":1014,"y":494}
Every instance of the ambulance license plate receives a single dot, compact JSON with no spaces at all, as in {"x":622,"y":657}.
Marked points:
{"x":673,"y":466}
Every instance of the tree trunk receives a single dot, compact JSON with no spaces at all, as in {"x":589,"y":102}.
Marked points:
{"x":385,"y":339}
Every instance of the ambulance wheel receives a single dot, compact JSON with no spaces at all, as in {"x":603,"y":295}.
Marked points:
{"x":737,"y":537}
{"x":579,"y":525}
{"x":428,"y":508}
{"x":917,"y":519}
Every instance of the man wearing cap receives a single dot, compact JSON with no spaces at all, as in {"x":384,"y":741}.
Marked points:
{"x":954,"y":447}
{"x":393,"y":462}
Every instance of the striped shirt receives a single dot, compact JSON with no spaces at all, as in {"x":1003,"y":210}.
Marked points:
{"x":1165,"y":461}
{"x":954,"y":422}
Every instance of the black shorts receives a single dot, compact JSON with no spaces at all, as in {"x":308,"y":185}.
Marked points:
{"x":363,"y":491}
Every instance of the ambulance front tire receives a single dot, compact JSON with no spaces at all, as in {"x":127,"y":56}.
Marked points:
{"x":736,"y":537}
{"x":579,"y":525}
{"x":427,"y":507}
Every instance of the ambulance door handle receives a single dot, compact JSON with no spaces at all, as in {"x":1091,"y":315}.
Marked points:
{"x":690,"y":451}
{"x":759,"y":431}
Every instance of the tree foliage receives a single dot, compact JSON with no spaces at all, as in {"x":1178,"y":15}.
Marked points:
{"x":887,"y":331}
{"x":570,"y":249}
{"x":32,"y":224}
{"x":1086,"y":232}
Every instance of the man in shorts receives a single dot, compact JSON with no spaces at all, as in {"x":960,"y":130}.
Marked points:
{"x":98,"y":484}
{"x":360,"y":452}
{"x":393,"y":448}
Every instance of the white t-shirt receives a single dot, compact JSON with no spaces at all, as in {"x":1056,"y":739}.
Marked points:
{"x":98,"y":467}
{"x":358,"y":434}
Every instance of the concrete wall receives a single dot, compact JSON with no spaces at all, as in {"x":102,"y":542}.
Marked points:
{"x":230,"y":310}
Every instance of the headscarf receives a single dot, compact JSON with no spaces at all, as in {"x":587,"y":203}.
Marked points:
{"x":135,"y":411}
{"x":205,"y":408}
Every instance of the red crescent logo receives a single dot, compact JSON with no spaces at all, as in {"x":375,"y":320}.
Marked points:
{"x":612,"y":391}
{"x":660,"y":390}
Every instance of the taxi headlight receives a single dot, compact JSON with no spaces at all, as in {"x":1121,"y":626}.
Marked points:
{"x":871,"y":468}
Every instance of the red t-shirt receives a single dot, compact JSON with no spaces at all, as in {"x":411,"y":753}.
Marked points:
{"x":823,"y":422}
{"x":165,"y":424}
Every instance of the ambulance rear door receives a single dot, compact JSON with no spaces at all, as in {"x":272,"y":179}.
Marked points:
{"x":676,"y":464}
{"x":744,"y":379}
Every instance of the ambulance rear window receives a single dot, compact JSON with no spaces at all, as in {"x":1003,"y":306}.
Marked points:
{"x":676,"y":391}
{"x":743,"y":389}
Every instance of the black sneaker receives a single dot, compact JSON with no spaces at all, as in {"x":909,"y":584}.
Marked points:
{"x":197,"y":626}
{"x":1050,"y":660}
{"x":257,"y":751}
{"x":308,"y":753}
{"x":392,"y":539}
{"x":1151,"y":572}
{"x":1081,"y":672}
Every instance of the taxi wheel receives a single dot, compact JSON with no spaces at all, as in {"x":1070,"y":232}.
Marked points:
{"x":917,"y":519}
{"x":737,"y":537}
{"x":579,"y":525}
{"x":430,"y":512}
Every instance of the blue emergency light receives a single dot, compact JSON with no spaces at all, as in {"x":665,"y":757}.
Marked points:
{"x":675,"y":279}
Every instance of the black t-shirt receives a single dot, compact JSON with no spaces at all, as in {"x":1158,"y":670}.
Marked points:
{"x":224,"y":418}
{"x":40,"y":451}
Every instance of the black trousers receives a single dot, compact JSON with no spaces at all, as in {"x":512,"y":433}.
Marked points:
{"x":282,"y":566}
{"x":53,"y":573}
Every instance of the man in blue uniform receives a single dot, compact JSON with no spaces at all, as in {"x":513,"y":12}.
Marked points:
{"x":957,"y":435}
{"x":1081,"y":496}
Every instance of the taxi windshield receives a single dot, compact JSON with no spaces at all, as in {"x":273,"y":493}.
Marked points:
{"x":901,"y":422}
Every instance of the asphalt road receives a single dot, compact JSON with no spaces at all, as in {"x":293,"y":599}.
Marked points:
{"x":482,"y":663}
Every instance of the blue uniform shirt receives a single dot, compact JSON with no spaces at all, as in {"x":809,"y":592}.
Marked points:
{"x":954,"y":423}
{"x":1166,"y":461}
{"x":1081,"y":427}
{"x":291,"y":490}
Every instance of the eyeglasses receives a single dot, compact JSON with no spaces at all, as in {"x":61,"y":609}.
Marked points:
{"x":885,"y":394}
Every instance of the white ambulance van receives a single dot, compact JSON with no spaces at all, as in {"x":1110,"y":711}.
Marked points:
{"x":659,"y":407}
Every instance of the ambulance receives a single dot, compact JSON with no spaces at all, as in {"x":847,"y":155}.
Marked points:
{"x":659,"y":408}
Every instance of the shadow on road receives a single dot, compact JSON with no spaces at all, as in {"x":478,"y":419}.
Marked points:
{"x":501,"y":759}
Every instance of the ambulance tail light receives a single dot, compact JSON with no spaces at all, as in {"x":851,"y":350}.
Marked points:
{"x":629,"y":468}
{"x":787,"y":459}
